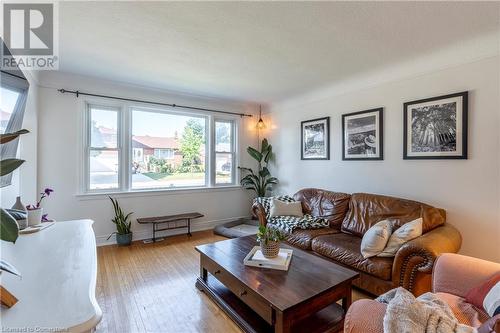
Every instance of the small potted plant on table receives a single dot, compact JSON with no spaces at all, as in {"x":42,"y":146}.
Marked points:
{"x":269,"y":239}
{"x":123,"y":224}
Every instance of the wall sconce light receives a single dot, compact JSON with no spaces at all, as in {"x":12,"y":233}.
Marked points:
{"x":260,"y":123}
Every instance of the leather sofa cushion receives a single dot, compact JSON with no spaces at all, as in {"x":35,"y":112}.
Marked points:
{"x":346,"y":249}
{"x":303,"y":238}
{"x":367,"y":209}
{"x":324,"y":204}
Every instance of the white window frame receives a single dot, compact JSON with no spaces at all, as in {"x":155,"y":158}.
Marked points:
{"x":124,"y":139}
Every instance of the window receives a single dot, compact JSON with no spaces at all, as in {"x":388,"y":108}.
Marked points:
{"x":162,"y":149}
{"x":8,"y":102}
{"x":103,"y":148}
{"x":13,"y":94}
{"x":224,"y":152}
{"x":173,"y":150}
{"x":165,"y":154}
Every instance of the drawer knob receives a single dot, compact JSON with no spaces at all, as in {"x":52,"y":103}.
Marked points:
{"x":217,"y":272}
{"x":243,"y":293}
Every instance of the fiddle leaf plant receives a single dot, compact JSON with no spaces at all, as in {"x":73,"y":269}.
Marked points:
{"x":260,"y":180}
{"x":9,"y":229}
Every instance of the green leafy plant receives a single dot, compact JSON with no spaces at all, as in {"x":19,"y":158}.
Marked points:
{"x":9,"y":229}
{"x":260,"y":181}
{"x":121,"y":220}
{"x":267,"y":234}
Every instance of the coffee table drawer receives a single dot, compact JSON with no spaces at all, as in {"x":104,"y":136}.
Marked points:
{"x":248,"y":296}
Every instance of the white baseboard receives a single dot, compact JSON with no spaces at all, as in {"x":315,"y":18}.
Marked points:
{"x":147,"y":232}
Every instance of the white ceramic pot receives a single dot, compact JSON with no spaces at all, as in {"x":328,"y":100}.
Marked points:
{"x":35,"y":216}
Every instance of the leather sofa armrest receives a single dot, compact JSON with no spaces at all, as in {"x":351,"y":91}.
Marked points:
{"x":414,"y":260}
{"x":259,"y":211}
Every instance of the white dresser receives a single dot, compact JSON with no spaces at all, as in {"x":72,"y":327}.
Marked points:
{"x":57,"y":288}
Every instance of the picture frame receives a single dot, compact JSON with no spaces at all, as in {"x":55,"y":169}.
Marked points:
{"x":436,"y":127}
{"x":363,"y":135}
{"x":315,"y":139}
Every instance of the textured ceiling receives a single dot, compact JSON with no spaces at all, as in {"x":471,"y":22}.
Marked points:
{"x":256,"y":51}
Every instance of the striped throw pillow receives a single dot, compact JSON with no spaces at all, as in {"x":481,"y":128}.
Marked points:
{"x":486,"y":296}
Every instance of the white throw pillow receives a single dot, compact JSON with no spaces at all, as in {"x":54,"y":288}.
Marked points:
{"x":375,"y":239}
{"x":281,"y":208}
{"x":405,"y":233}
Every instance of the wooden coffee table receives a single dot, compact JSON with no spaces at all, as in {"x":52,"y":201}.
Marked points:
{"x":302,"y":299}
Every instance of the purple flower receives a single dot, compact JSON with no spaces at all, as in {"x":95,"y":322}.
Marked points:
{"x":47,"y":191}
{"x":45,"y":217}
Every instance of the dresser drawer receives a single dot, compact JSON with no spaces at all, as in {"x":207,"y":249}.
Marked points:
{"x":248,"y":296}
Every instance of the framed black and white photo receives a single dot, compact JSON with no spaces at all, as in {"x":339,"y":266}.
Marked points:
{"x":362,"y":135}
{"x":436,"y":128}
{"x":315,"y":139}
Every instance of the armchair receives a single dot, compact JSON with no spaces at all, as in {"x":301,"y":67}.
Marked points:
{"x":452,"y":277}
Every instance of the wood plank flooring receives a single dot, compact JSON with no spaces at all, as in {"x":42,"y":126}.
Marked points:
{"x":150,"y":288}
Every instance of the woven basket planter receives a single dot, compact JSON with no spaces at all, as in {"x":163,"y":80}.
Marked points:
{"x":271,"y":249}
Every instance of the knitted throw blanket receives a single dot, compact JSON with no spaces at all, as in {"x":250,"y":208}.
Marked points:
{"x":288,"y":224}
{"x":426,"y":314}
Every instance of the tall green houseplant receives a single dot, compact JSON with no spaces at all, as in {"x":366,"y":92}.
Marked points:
{"x":123,"y":224}
{"x":9,"y":230}
{"x":260,"y":181}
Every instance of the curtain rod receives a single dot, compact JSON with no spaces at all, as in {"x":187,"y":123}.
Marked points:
{"x":77,"y":93}
{"x":11,"y":74}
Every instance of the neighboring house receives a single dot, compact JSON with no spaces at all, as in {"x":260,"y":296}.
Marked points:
{"x":106,"y":137}
{"x":165,"y":148}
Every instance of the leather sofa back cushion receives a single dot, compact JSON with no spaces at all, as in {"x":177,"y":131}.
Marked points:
{"x":324,"y":204}
{"x":367,"y":209}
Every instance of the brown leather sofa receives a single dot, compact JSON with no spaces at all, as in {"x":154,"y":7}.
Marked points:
{"x":351,"y":215}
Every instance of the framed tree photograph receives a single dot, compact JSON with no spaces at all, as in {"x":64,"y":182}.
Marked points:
{"x":436,"y":128}
{"x":362,"y":135}
{"x":315,"y":139}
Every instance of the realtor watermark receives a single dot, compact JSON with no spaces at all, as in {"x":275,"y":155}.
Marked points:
{"x":30,"y":34}
{"x":28,"y":329}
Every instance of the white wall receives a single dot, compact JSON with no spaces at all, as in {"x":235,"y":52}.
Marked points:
{"x":467,"y":189}
{"x":24,"y":182}
{"x":59,"y":160}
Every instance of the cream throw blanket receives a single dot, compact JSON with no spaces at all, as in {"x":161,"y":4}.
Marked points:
{"x":426,"y":314}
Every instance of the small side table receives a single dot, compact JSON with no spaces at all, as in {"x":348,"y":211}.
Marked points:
{"x":170,"y":220}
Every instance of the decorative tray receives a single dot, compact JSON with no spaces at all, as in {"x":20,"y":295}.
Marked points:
{"x":255,"y":258}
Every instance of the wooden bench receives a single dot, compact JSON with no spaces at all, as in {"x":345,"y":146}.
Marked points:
{"x":170,"y":220}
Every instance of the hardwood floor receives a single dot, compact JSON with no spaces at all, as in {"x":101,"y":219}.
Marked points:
{"x":150,"y":288}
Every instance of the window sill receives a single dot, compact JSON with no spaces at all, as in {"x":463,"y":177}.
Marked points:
{"x":155,"y":192}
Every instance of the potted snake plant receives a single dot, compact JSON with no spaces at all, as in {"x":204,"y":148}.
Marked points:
{"x":123,"y":225}
{"x":269,"y":239}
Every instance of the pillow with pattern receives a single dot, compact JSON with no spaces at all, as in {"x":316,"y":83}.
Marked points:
{"x":266,"y":202}
{"x":487,"y":295}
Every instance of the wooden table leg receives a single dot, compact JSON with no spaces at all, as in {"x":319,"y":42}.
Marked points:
{"x":282,"y":323}
{"x":347,"y":299}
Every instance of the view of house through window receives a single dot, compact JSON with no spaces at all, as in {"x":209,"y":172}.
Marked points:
{"x":135,"y":148}
{"x":103,"y":152}
{"x":224,"y":152}
{"x":168,"y":150}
